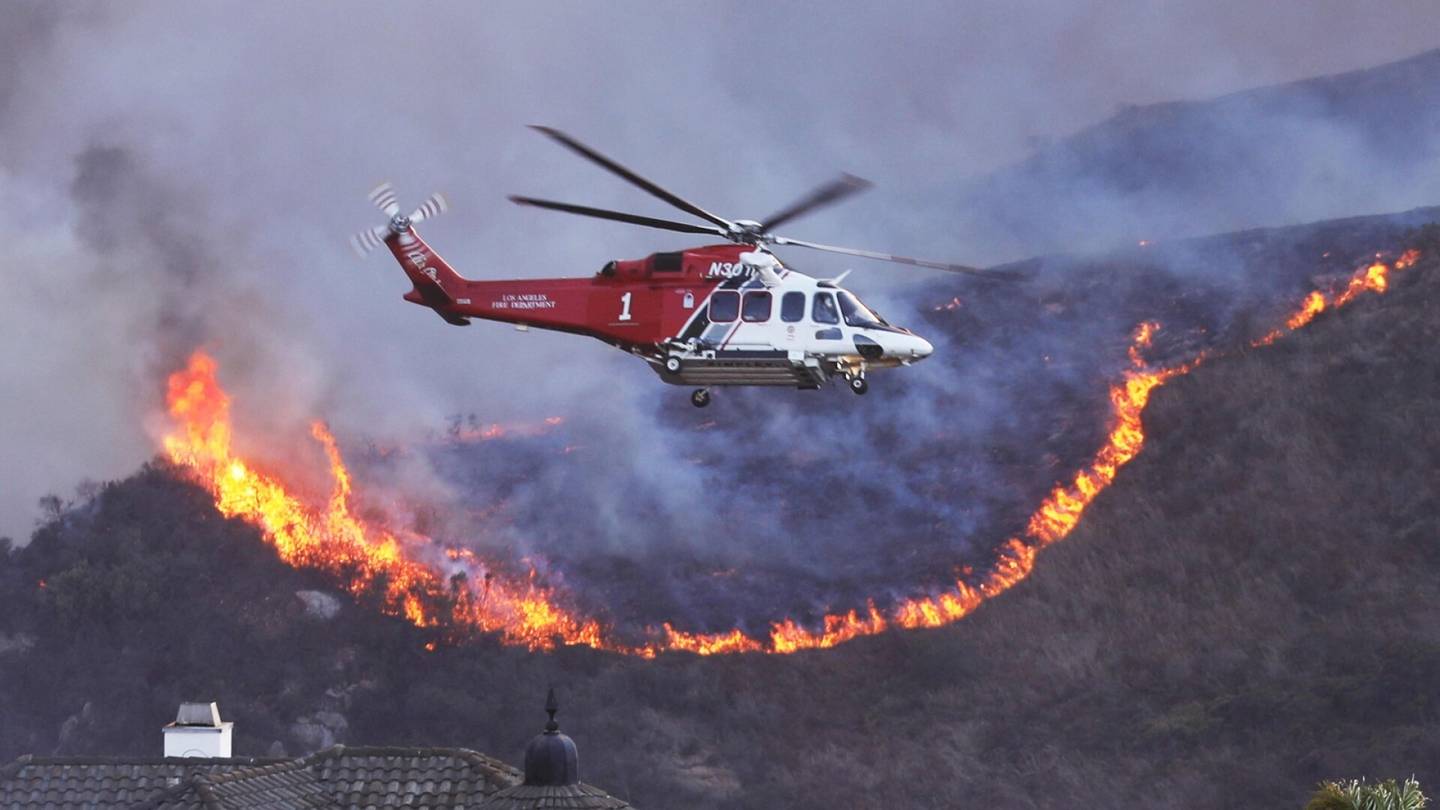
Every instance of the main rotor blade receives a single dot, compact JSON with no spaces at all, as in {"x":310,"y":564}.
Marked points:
{"x":830,"y":192}
{"x":634,"y":219}
{"x":886,"y":257}
{"x":596,"y":157}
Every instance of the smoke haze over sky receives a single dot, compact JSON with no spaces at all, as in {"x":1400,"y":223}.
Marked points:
{"x":179,"y":175}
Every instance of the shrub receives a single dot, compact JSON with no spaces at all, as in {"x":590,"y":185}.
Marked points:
{"x":1356,"y":795}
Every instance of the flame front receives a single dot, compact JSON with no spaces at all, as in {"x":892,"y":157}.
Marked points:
{"x":331,"y":538}
{"x":370,"y":559}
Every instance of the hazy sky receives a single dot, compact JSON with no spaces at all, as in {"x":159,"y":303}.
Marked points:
{"x":179,"y":173}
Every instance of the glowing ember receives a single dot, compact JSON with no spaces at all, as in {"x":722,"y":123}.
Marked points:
{"x":370,"y":559}
{"x":495,"y":430}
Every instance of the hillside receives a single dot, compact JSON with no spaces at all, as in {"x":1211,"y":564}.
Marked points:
{"x":1307,"y":150}
{"x":1250,"y":608}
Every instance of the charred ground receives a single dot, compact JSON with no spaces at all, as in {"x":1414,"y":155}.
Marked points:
{"x":1249,"y":609}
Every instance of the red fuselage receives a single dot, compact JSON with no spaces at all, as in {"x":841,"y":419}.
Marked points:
{"x":638,"y":303}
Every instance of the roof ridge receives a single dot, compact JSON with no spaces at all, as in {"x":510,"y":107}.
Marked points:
{"x":502,"y":771}
{"x":194,"y":782}
{"x":29,"y":759}
{"x":12,"y":768}
{"x":395,"y":750}
{"x":266,"y":769}
{"x":206,"y":791}
{"x":496,"y":770}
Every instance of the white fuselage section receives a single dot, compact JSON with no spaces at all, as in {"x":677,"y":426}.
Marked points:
{"x":767,"y":325}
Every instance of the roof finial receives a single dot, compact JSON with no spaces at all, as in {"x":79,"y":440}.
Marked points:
{"x":551,"y":707}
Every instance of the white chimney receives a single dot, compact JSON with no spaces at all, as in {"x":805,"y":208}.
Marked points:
{"x":198,"y":732}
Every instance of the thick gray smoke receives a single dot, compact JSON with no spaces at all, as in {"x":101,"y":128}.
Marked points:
{"x":179,"y":177}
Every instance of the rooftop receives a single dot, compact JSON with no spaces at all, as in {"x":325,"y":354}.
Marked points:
{"x":337,"y":777}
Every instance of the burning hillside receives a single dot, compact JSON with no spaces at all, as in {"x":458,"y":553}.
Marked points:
{"x":330,"y":537}
{"x":452,"y":587}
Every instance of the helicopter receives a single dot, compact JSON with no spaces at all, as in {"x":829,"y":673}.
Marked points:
{"x":729,"y":314}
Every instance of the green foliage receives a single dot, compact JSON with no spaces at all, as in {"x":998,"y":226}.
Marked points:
{"x":1357,"y":795}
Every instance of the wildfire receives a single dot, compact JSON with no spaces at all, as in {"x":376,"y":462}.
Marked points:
{"x":370,"y":559}
{"x":1374,"y":277}
{"x":330,"y":537}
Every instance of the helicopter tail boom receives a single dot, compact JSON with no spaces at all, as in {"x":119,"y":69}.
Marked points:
{"x":436,"y":283}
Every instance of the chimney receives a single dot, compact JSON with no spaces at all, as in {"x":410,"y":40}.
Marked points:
{"x":198,"y":732}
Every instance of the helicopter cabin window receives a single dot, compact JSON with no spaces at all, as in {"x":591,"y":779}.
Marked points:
{"x":855,"y":312}
{"x":724,"y":306}
{"x":824,"y":309}
{"x":757,"y":307}
{"x":792,"y":307}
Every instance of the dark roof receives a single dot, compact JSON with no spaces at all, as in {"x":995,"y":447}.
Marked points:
{"x":338,"y":777}
{"x":411,"y":777}
{"x":553,"y":797}
{"x":84,"y":783}
{"x":291,"y":784}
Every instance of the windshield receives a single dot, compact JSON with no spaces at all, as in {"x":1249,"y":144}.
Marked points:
{"x":855,"y":312}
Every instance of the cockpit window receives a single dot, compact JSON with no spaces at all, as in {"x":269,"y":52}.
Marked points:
{"x":823,"y":310}
{"x":855,"y":312}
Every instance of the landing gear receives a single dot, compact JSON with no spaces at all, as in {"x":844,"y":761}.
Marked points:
{"x":672,"y":364}
{"x":700,"y":397}
{"x":858,"y":384}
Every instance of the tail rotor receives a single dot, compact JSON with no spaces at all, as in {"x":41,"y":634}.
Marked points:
{"x":383,"y":197}
{"x":432,"y":207}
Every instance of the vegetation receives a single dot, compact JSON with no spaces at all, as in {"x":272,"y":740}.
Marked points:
{"x":1250,"y":609}
{"x":1356,"y":795}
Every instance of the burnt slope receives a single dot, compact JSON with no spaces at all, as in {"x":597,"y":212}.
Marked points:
{"x":1250,"y":608}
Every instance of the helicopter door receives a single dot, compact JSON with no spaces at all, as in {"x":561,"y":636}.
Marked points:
{"x":754,"y":330}
{"x":825,"y":317}
{"x":792,"y":313}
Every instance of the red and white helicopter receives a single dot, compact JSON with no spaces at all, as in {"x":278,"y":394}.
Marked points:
{"x":726,"y":314}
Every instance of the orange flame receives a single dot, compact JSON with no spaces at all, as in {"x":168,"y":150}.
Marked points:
{"x":333,"y":539}
{"x":1374,"y":277}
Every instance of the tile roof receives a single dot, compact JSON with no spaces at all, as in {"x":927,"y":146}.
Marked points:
{"x":89,"y":783}
{"x":284,"y":784}
{"x":411,"y":777}
{"x":553,"y":797}
{"x":338,"y":777}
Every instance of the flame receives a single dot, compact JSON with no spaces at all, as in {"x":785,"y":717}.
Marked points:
{"x":370,"y":559}
{"x":1373,"y":278}
{"x":332,"y":538}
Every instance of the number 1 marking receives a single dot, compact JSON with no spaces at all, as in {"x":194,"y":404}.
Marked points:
{"x":625,"y":306}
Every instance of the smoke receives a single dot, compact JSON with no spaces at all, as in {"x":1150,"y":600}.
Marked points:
{"x":187,"y":176}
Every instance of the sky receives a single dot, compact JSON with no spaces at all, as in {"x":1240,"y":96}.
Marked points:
{"x":183,"y":175}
